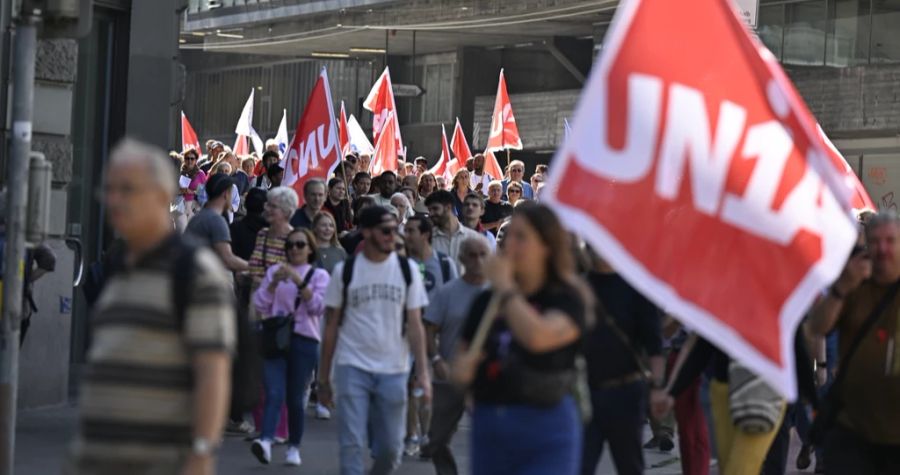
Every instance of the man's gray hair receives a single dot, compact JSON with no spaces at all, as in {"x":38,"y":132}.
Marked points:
{"x":284,"y":199}
{"x":159,"y":166}
{"x":472,"y":241}
{"x":882,"y":218}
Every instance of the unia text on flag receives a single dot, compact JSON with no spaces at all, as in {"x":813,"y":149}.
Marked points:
{"x":343,"y":133}
{"x":188,"y":136}
{"x":380,"y":102}
{"x":504,"y":131}
{"x":442,"y":167}
{"x":701,"y":179}
{"x":460,"y":148}
{"x":314,"y":151}
{"x":386,"y":152}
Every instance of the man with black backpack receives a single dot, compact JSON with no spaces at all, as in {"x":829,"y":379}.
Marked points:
{"x":156,"y":387}
{"x":374,"y":315}
{"x":436,"y":267}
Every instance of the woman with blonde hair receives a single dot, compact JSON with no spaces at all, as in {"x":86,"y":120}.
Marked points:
{"x":330,"y":250}
{"x":460,"y":189}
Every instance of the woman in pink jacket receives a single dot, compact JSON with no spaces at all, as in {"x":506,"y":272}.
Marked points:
{"x":296,"y":289}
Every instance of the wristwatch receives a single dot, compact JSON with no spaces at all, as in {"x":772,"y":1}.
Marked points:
{"x":203,"y":446}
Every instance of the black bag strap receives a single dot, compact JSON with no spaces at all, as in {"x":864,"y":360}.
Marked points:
{"x":346,"y":277}
{"x":407,"y":278}
{"x":864,"y":330}
{"x":445,"y":266}
{"x":306,"y":279}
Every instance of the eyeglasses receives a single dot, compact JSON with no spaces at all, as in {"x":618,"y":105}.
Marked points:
{"x":299,"y":245}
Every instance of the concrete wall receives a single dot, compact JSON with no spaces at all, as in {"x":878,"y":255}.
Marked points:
{"x":44,"y":358}
{"x":853,"y":102}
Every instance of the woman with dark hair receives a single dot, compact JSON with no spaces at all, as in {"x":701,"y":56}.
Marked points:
{"x":196,"y":178}
{"x":427,"y":184}
{"x":293,"y":289}
{"x":523,"y":378}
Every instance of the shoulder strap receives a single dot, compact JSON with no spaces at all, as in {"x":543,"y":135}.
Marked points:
{"x":306,"y":279}
{"x":864,"y":330}
{"x":407,"y":277}
{"x":182,"y":277}
{"x":608,"y":319}
{"x":346,"y":277}
{"x":445,"y":266}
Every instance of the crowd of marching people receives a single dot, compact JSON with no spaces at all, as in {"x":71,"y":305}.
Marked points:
{"x":396,"y":304}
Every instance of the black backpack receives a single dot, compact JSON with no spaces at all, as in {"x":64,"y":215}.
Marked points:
{"x":347,"y":276}
{"x":445,"y":261}
{"x":245,"y":377}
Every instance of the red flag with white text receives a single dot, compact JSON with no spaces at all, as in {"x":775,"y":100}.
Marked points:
{"x":188,"y":136}
{"x":504,"y":131}
{"x":386,"y":152}
{"x":701,"y":178}
{"x":380,"y":102}
{"x":314,"y":152}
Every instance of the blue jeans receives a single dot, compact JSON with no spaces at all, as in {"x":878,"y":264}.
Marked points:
{"x":370,"y":401}
{"x":526,"y":440}
{"x":290,"y":374}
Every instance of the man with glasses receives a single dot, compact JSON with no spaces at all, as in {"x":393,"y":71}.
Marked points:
{"x":516,"y":173}
{"x":444,"y":319}
{"x":371,"y":324}
{"x":155,"y":390}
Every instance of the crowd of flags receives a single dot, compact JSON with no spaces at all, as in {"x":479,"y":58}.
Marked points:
{"x":657,"y":141}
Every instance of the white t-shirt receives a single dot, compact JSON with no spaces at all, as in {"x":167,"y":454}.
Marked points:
{"x":371,"y":337}
{"x":485,"y":180}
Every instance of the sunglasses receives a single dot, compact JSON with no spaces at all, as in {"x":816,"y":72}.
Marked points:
{"x":298,"y":245}
{"x":387,"y":230}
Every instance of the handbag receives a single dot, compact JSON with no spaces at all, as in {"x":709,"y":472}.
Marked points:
{"x":832,"y":405}
{"x":276,"y":331}
{"x":755,"y":406}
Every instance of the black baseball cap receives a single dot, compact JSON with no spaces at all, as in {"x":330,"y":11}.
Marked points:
{"x":374,"y":216}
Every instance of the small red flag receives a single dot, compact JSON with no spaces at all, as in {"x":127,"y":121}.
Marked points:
{"x":188,"y":136}
{"x":380,"y":102}
{"x":385,"y":158}
{"x":344,"y":134}
{"x":504,"y":131}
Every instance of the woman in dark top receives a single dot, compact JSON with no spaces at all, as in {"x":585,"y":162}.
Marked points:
{"x":525,"y":418}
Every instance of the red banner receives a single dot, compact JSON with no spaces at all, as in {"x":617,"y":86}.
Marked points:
{"x":188,"y":136}
{"x":380,"y":102}
{"x":314,"y":151}
{"x":386,"y":152}
{"x":702,"y":179}
{"x":460,"y":147}
{"x":442,"y":168}
{"x":504,"y":131}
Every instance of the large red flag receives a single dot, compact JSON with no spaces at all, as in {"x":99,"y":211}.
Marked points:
{"x":504,"y":132}
{"x":385,"y":157}
{"x":442,"y":167}
{"x":344,"y":134}
{"x":702,"y":179}
{"x":492,"y":165}
{"x":460,"y":148}
{"x":381,"y":102}
{"x":188,"y":136}
{"x":314,"y":151}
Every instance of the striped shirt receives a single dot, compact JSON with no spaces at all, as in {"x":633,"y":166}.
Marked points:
{"x":268,"y":251}
{"x":136,"y":403}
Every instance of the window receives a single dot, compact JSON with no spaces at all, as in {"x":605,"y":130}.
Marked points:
{"x":885,"y":45}
{"x":804,"y":33}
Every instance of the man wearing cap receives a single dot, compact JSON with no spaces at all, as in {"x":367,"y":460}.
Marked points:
{"x":209,"y":226}
{"x":370,"y":327}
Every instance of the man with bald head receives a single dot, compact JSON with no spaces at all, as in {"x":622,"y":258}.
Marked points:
{"x":155,"y":391}
{"x":444,"y":319}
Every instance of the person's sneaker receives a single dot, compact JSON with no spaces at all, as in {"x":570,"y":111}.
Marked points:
{"x":412,"y":447}
{"x":292,"y":457}
{"x":239,"y":428}
{"x":666,"y":444}
{"x":322,"y":412}
{"x":262,"y":449}
{"x":652,"y":444}
{"x":803,"y":460}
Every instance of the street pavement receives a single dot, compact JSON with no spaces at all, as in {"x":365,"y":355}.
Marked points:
{"x":43,"y":437}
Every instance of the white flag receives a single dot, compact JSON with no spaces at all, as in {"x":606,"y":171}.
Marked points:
{"x":281,"y":138}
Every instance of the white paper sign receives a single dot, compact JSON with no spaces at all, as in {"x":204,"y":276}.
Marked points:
{"x":184,"y":181}
{"x":749,"y":11}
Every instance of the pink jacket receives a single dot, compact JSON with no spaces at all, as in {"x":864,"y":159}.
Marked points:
{"x":308,"y":315}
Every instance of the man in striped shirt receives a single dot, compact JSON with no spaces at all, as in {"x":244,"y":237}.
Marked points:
{"x":156,"y":388}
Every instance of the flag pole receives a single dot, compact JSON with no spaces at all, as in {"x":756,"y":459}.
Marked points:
{"x":507,"y":160}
